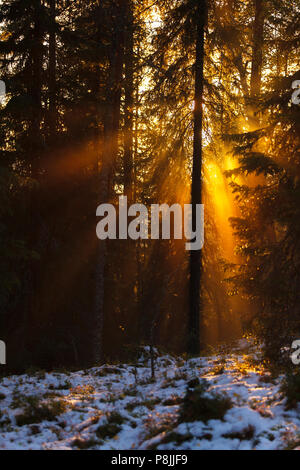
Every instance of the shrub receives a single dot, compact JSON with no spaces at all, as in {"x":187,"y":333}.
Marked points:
{"x":62,"y":386}
{"x":291,"y":389}
{"x":218,"y":369}
{"x":36,"y":412}
{"x":108,"y":430}
{"x":112,"y":427}
{"x":150,"y":404}
{"x":198,"y":405}
{"x":36,"y":372}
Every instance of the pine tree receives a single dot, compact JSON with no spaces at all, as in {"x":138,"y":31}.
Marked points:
{"x":196,"y":196}
{"x":268,"y":228}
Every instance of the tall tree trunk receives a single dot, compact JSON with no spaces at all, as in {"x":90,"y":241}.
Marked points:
{"x":129,"y":260}
{"x":52,"y":72}
{"x":36,"y":147}
{"x":129,"y":103}
{"x":36,"y":89}
{"x":257,"y":59}
{"x":109,"y":155}
{"x":195,"y":307}
{"x":257,"y":50}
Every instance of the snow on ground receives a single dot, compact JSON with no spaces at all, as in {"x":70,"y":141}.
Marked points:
{"x":119,"y":407}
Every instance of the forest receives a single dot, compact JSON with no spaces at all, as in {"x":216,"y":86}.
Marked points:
{"x":165,"y":103}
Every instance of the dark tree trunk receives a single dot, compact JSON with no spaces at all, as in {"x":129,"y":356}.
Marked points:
{"x":109,"y":155}
{"x":36,"y":148}
{"x":257,"y":51}
{"x":52,"y":72}
{"x":36,"y":89}
{"x":129,"y":104}
{"x":195,"y":307}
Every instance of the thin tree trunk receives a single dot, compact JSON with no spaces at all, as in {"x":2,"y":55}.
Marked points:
{"x":36,"y":90}
{"x":195,"y":307}
{"x":129,"y":104}
{"x":34,"y":202}
{"x":257,"y":51}
{"x":109,"y":155}
{"x":257,"y":59}
{"x":52,"y":72}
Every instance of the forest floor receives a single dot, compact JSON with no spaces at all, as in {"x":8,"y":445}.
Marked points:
{"x":119,"y":407}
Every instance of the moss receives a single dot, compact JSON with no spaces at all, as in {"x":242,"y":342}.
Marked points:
{"x":245,"y":435}
{"x":293,"y":444}
{"x":267,"y":379}
{"x":84,"y":444}
{"x":176,"y":438}
{"x":35,"y":429}
{"x":180,"y":375}
{"x":174,"y":400}
{"x":108,"y":370}
{"x":17,"y":401}
{"x":83,"y":390}
{"x":131,"y":406}
{"x":51,"y":395}
{"x":130,"y":392}
{"x":116,"y":417}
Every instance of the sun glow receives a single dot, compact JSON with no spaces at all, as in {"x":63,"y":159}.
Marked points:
{"x":220,"y":206}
